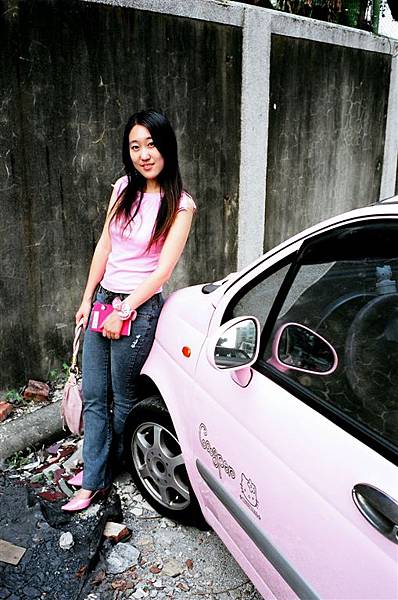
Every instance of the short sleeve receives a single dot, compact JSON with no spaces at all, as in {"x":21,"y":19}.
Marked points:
{"x":118,"y":187}
{"x":187,"y":203}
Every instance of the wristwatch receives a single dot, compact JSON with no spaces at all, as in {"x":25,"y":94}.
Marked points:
{"x":124,"y":309}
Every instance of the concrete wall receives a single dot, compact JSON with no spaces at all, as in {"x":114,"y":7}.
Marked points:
{"x":74,"y":72}
{"x":327,"y":117}
{"x":213,"y":67}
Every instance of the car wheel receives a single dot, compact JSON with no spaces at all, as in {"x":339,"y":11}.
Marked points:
{"x":154,"y":458}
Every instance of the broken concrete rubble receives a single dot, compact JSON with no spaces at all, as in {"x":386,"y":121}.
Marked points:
{"x":172,"y":568}
{"x":66,"y":541}
{"x":122,"y":557}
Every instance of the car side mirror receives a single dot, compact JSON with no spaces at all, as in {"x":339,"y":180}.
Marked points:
{"x":298,"y":348}
{"x":235,"y":344}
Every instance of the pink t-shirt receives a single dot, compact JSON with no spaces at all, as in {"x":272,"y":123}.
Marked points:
{"x":129,"y":262}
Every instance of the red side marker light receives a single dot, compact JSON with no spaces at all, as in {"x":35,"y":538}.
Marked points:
{"x":186,"y":351}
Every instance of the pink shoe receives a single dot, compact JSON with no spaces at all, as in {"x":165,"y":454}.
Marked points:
{"x":81,"y":503}
{"x":77,"y":479}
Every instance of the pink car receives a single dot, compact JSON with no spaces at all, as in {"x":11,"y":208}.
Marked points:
{"x":270,"y":409}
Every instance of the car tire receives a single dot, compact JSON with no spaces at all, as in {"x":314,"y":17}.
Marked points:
{"x":154,"y":458}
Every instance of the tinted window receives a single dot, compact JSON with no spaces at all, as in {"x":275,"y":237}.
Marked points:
{"x":352,"y":301}
{"x":259,"y":298}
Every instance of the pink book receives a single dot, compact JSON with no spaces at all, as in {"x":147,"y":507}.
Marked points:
{"x":98,"y":315}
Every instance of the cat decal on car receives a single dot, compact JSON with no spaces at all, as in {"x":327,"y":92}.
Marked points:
{"x":249,"y":494}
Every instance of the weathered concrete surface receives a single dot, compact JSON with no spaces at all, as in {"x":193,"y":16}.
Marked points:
{"x":30,"y":430}
{"x":327,"y":119}
{"x":75,"y":72}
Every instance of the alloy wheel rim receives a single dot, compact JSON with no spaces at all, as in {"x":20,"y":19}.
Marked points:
{"x":160,"y":466}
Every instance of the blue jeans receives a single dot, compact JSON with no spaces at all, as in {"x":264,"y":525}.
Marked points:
{"x":110,"y":370}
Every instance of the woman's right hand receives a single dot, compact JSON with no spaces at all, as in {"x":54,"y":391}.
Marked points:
{"x":83,"y":313}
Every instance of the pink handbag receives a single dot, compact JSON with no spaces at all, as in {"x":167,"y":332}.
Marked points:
{"x":72,"y":399}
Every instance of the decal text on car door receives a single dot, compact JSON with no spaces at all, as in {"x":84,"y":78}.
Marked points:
{"x":218,"y":461}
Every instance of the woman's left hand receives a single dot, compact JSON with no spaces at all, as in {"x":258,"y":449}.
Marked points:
{"x":112,"y":326}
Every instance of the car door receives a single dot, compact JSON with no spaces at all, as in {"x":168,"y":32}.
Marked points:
{"x":297,"y":471}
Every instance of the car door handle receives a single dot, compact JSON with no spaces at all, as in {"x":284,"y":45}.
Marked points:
{"x":378,"y":508}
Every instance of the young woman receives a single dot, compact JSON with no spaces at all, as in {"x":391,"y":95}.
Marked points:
{"x":145,"y":231}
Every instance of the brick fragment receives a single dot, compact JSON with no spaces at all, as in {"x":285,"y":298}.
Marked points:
{"x":115,"y":531}
{"x":51,"y":496}
{"x":189,"y":563}
{"x":155,"y":569}
{"x":36,"y":390}
{"x":5,"y":409}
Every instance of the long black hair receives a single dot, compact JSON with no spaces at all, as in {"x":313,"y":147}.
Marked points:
{"x":169,"y":179}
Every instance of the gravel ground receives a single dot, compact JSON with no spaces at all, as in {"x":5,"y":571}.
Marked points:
{"x":160,"y":559}
{"x":175,"y":561}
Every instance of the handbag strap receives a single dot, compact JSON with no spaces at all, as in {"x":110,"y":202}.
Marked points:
{"x":76,"y":343}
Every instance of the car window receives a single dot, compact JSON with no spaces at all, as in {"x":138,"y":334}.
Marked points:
{"x":259,"y":298}
{"x":353,"y":305}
